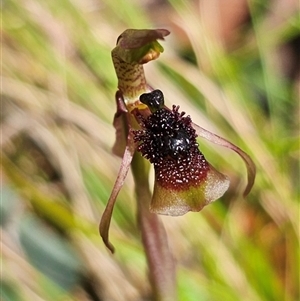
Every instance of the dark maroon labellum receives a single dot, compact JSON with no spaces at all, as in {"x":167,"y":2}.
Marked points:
{"x":168,"y":140}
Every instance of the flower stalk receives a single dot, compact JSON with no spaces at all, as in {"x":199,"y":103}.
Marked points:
{"x":161,"y":264}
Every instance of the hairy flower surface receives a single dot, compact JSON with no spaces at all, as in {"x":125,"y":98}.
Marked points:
{"x":168,"y":140}
{"x":182,"y":174}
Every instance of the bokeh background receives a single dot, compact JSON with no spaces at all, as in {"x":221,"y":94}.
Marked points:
{"x":233,"y":65}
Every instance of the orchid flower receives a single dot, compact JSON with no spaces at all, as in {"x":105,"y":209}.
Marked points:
{"x":184,"y":180}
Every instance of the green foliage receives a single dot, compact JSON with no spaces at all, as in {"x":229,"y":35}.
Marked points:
{"x":58,"y":86}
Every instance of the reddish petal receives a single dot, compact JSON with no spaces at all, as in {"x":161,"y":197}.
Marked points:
{"x":251,"y":169}
{"x":121,"y":125}
{"x":106,"y":217}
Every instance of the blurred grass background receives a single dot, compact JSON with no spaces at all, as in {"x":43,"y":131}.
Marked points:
{"x":232,"y":65}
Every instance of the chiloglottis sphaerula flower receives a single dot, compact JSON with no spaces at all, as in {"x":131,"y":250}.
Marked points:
{"x":166,"y":137}
{"x":184,"y":180}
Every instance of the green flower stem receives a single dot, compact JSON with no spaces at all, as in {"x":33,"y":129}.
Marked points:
{"x":160,"y":260}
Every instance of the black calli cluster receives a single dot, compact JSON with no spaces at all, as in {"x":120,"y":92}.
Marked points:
{"x":168,"y":140}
